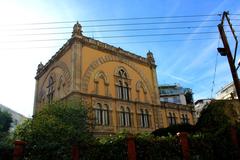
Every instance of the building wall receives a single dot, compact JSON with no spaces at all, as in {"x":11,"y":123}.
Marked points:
{"x":227,"y":92}
{"x":173,"y":94}
{"x":88,"y":69}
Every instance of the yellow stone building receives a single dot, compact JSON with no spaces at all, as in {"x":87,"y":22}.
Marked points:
{"x":119,"y":87}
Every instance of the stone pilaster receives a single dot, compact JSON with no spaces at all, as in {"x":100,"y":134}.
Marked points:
{"x":35,"y":97}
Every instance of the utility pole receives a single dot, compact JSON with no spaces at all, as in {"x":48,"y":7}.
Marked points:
{"x":226,"y":51}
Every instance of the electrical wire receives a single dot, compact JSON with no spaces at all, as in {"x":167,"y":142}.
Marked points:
{"x":160,"y":41}
{"x":153,"y":35}
{"x":37,"y":34}
{"x":116,"y":19}
{"x":132,"y":42}
{"x":34,"y":40}
{"x":148,"y":29}
{"x":215,"y":70}
{"x":108,"y":30}
{"x":146,"y":23}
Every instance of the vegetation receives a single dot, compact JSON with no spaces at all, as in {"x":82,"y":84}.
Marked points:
{"x":174,"y":129}
{"x":52,"y":131}
{"x":5,"y":137}
{"x":5,"y":121}
{"x":218,"y":115}
{"x":189,"y":97}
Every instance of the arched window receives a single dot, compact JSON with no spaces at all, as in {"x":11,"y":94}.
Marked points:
{"x":122,"y":117}
{"x":101,"y":83}
{"x":50,"y":87}
{"x":184,"y":119}
{"x":102,"y":114}
{"x":171,"y":118}
{"x":122,"y":85}
{"x":174,"y":119}
{"x":125,"y":117}
{"x":98,"y":114}
{"x":144,"y":118}
{"x":105,"y":115}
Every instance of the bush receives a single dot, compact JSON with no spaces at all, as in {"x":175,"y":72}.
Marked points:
{"x":174,"y":129}
{"x":106,"y":148}
{"x":218,"y":114}
{"x":153,"y":148}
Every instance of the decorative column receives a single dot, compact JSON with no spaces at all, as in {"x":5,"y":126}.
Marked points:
{"x":76,"y":57}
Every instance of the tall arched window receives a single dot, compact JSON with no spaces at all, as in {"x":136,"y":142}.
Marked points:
{"x":122,"y":86}
{"x":125,"y":117}
{"x":144,"y":118}
{"x":174,"y":119}
{"x":184,"y":119}
{"x":98,"y":114}
{"x":50,"y":87}
{"x":122,"y":117}
{"x":105,"y":115}
{"x":102,"y":114}
{"x":171,"y":118}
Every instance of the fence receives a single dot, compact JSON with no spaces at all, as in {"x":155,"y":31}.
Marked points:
{"x":184,"y":147}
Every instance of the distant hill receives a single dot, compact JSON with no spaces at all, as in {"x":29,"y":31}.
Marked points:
{"x":17,"y":117}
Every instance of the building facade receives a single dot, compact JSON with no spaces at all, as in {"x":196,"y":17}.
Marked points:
{"x":201,"y":104}
{"x":227,"y":92}
{"x":17,"y":118}
{"x":174,"y":94}
{"x":118,"y":86}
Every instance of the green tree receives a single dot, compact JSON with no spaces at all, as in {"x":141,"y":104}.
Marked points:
{"x":23,"y":131}
{"x":53,"y":130}
{"x":5,"y":121}
{"x":189,"y":97}
{"x":217,"y":115}
{"x":5,"y":137}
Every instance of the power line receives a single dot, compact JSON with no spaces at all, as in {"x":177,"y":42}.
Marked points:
{"x":147,"y":23}
{"x":110,"y":30}
{"x":50,"y":28}
{"x":171,"y":40}
{"x":115,"y":19}
{"x":214,"y":74}
{"x":8,"y":48}
{"x":151,"y":35}
{"x":121,"y":36}
{"x":34,"y":40}
{"x":37,"y":34}
{"x":41,"y":28}
{"x":149,"y":29}
{"x":141,"y":18}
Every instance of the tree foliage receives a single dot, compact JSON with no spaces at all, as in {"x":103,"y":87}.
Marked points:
{"x":5,"y":121}
{"x":173,"y":129}
{"x":6,"y":143}
{"x":189,"y":97}
{"x":54,"y":129}
{"x":217,"y":115}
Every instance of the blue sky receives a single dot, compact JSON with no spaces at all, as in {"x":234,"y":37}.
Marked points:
{"x":187,"y":61}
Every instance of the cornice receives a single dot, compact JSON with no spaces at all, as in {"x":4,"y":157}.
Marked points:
{"x":96,"y":44}
{"x":56,"y":56}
